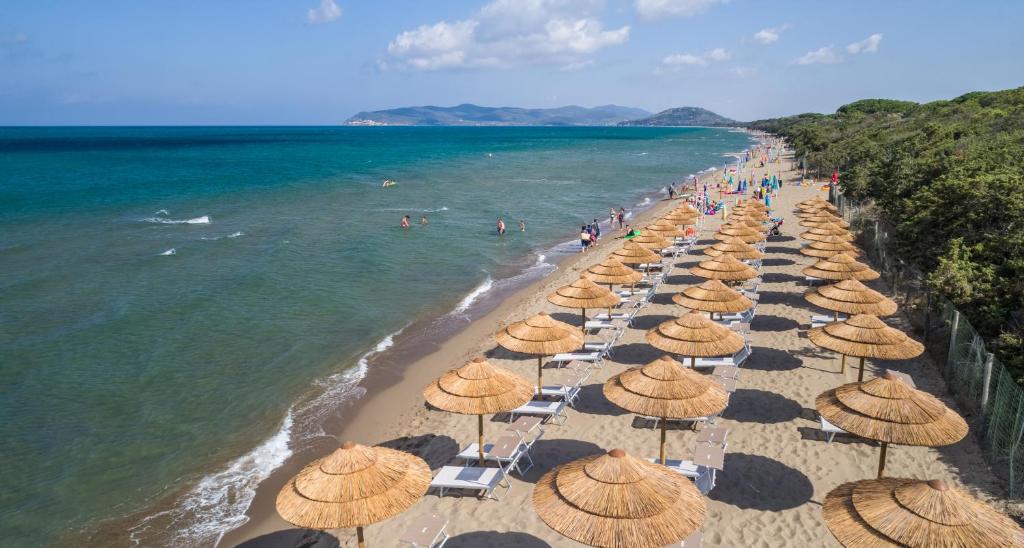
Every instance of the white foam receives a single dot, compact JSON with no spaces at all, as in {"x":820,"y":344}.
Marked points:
{"x":162,"y":212}
{"x":217,"y":504}
{"x":647,"y":201}
{"x":469,"y":299}
{"x":236,"y":234}
{"x":204,"y":220}
{"x":170,"y":251}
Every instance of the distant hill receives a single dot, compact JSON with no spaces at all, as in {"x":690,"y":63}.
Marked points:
{"x":473,"y":115}
{"x":683,"y":116}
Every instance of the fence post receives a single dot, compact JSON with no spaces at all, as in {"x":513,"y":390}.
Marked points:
{"x":952,"y":337}
{"x":986,"y":382}
{"x":927,"y":312}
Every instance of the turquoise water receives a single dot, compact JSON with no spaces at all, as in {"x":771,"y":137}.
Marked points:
{"x":167,"y":295}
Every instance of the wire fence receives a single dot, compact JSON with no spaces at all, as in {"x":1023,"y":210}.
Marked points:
{"x":978,"y":382}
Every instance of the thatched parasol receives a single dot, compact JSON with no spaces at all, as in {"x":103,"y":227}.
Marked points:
{"x":816,"y":201}
{"x":886,"y":409}
{"x":724,"y":267}
{"x":540,"y":335}
{"x":631,"y":253}
{"x":665,"y":229}
{"x":611,"y":271}
{"x":850,"y":297}
{"x":818,"y":220}
{"x":865,"y":336}
{"x":353,"y":487}
{"x":829,"y":246}
{"x":806,"y":213}
{"x":478,"y":388}
{"x":746,"y":220}
{"x":681,"y":217}
{"x":667,"y":390}
{"x":918,"y":513}
{"x":735,"y":247}
{"x":821,"y":232}
{"x":840,"y":267}
{"x":650,"y":240}
{"x":619,"y":501}
{"x":743,"y":232}
{"x":694,"y":336}
{"x":712,"y":296}
{"x":584,"y":294}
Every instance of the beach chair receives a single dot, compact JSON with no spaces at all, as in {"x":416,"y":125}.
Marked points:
{"x":586,"y":357}
{"x":426,"y":532}
{"x":486,"y":481}
{"x":604,"y":347}
{"x":554,"y":410}
{"x":746,"y":316}
{"x":811,"y":280}
{"x":713,"y":436}
{"x":707,"y":461}
{"x":529,"y":429}
{"x":819,"y":320}
{"x":508,"y":451}
{"x":600,"y":325}
{"x":830,"y":429}
{"x":568,"y":390}
{"x":693,"y":541}
{"x":735,"y":360}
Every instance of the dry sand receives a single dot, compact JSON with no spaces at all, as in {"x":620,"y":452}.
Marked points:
{"x":778,"y":466}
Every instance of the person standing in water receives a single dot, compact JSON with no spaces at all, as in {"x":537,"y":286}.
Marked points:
{"x":424,"y":221}
{"x":501,"y":226}
{"x":522,"y":225}
{"x":611,"y":216}
{"x":405,"y":222}
{"x":621,"y":216}
{"x":584,"y":238}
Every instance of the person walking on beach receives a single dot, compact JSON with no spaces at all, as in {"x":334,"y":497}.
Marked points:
{"x":611,"y":216}
{"x":405,"y":222}
{"x":621,"y":216}
{"x":501,"y":226}
{"x":522,"y":225}
{"x":584,"y":238}
{"x":671,"y":191}
{"x":597,"y":229}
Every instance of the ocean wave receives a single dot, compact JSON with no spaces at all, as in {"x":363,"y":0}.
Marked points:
{"x":647,"y":201}
{"x":413,"y":209}
{"x":469,"y":299}
{"x":236,"y":234}
{"x":204,"y":220}
{"x":169,"y":252}
{"x":217,"y":504}
{"x":215,"y":238}
{"x":162,"y":212}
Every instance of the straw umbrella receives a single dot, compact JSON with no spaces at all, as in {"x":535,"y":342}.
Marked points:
{"x":694,"y":336}
{"x":724,"y":267}
{"x":478,"y":388}
{"x":611,"y":271}
{"x":712,"y":296}
{"x":665,"y":229}
{"x":888,"y":410}
{"x":667,"y":390}
{"x":829,"y":246}
{"x":808,"y":212}
{"x":746,"y":220}
{"x":743,"y":232}
{"x":815,"y":221}
{"x":917,"y":513}
{"x":634,"y":254}
{"x":616,"y":500}
{"x":865,"y":336}
{"x":851,"y":297}
{"x":540,"y":335}
{"x":650,"y":240}
{"x":840,"y":267}
{"x":822,"y":232}
{"x":584,"y":294}
{"x":681,"y":217}
{"x":353,"y":487}
{"x":735,"y":247}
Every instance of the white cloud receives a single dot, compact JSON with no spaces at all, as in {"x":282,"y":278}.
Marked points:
{"x":867,"y":45}
{"x":678,"y":61}
{"x":327,"y":12}
{"x":656,"y":9}
{"x":743,"y":72}
{"x":508,"y":33}
{"x":826,"y":55}
{"x":770,"y":35}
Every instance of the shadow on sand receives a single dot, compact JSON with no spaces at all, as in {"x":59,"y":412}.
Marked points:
{"x":760,"y":483}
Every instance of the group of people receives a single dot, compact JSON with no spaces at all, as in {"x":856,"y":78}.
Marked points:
{"x":406,"y":222}
{"x":500,"y":226}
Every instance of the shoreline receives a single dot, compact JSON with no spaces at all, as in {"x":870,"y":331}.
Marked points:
{"x":387,"y":380}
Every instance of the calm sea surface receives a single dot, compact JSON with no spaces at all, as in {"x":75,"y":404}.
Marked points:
{"x":168,"y":295}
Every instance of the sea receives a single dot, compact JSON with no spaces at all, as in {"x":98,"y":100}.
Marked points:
{"x":182,"y":307}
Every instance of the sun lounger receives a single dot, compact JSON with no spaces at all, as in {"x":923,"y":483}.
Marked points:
{"x":728,"y":384}
{"x":508,"y":451}
{"x":589,"y":357}
{"x":830,"y":429}
{"x":707,"y":460}
{"x":525,"y":426}
{"x":472,"y":478}
{"x":598,"y":325}
{"x":713,"y":436}
{"x":726,"y":372}
{"x":903,"y":377}
{"x":569,"y":391}
{"x":811,"y":280}
{"x":819,"y":320}
{"x":746,"y":316}
{"x":693,"y":541}
{"x":735,"y":360}
{"x":553,"y":409}
{"x":426,"y":532}
{"x":604,"y":347}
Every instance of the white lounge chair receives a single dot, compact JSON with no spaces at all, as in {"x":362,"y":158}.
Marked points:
{"x":426,"y":532}
{"x":746,"y":316}
{"x":598,"y":325}
{"x":508,"y":451}
{"x":472,"y":478}
{"x":626,"y":316}
{"x":604,"y":347}
{"x":569,"y":391}
{"x":735,"y":360}
{"x":588,"y":357}
{"x":553,"y":409}
{"x":693,"y":541}
{"x":707,"y":459}
{"x":830,"y":429}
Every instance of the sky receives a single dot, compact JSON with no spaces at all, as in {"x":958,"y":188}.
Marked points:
{"x":318,"y":62}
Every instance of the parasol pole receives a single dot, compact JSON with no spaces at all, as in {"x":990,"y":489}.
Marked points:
{"x":881,"y":460}
{"x":583,"y":314}
{"x":843,"y":364}
{"x":480,"y":440}
{"x":663,"y":422}
{"x":860,"y":376}
{"x":540,"y":375}
{"x":359,"y":537}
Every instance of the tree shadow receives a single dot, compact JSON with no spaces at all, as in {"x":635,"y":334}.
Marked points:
{"x":592,"y":402}
{"x":776,"y":262}
{"x":495,"y":539}
{"x":548,"y":454}
{"x":293,"y":538}
{"x":648,"y":321}
{"x":759,"y":406}
{"x":436,"y":450}
{"x":768,"y":322}
{"x":760,"y":483}
{"x":770,"y":359}
{"x":636,"y":354}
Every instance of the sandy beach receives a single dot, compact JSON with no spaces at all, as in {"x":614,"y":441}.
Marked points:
{"x":778,"y":466}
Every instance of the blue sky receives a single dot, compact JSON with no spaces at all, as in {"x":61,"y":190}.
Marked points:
{"x":320,"y":61}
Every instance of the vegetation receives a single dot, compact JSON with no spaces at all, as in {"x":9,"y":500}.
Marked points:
{"x":948,"y":176}
{"x":684,"y":116}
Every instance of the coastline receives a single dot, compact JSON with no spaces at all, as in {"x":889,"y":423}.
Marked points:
{"x":395,"y":377}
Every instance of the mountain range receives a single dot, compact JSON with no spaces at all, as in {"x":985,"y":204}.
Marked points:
{"x":473,"y":115}
{"x":684,"y":116}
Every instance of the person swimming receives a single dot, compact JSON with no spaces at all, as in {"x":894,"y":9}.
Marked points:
{"x":501,"y":226}
{"x":424,"y":221}
{"x":522,"y":225}
{"x":405,"y":222}
{"x":388,"y":183}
